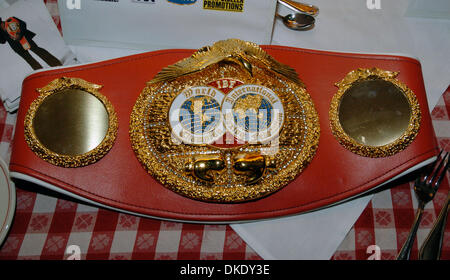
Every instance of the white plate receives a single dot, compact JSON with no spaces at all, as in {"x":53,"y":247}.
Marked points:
{"x":7,"y":201}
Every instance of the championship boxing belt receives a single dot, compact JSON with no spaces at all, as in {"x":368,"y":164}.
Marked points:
{"x":231,"y":132}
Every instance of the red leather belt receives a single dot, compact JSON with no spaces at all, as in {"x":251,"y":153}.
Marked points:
{"x":336,"y":172}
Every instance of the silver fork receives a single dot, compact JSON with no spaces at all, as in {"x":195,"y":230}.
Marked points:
{"x":425,"y":188}
{"x":432,"y":246}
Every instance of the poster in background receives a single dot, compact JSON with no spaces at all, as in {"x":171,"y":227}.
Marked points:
{"x":162,"y":24}
{"x":29,"y":41}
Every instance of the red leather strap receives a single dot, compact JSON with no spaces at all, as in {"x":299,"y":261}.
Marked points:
{"x":118,"y":180}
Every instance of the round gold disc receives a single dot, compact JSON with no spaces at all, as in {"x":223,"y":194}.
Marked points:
{"x":71,"y":122}
{"x":373,"y":114}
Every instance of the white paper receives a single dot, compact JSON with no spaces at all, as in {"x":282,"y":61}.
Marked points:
{"x":163,"y":24}
{"x":3,"y":4}
{"x":310,"y":236}
{"x":14,"y":67}
{"x":422,"y":8}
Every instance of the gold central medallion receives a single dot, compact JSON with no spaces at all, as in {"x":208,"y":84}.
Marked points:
{"x":228,"y":124}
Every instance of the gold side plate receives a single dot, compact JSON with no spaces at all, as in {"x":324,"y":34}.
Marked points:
{"x":373,"y":114}
{"x":70,"y":124}
{"x":230,"y":75}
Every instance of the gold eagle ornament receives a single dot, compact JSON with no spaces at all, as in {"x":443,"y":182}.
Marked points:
{"x":232,"y":50}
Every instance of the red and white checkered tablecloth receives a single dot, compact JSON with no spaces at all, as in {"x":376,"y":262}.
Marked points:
{"x":46,"y":225}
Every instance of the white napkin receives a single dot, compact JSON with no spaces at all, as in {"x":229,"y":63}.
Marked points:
{"x":311,"y":236}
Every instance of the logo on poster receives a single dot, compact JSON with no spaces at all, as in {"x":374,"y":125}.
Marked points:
{"x":224,"y":5}
{"x":144,"y":1}
{"x":182,"y":2}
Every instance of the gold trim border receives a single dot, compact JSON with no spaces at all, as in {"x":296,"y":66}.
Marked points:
{"x":90,"y":157}
{"x":374,"y":151}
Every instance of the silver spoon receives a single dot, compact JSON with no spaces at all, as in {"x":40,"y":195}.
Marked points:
{"x":298,"y":21}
